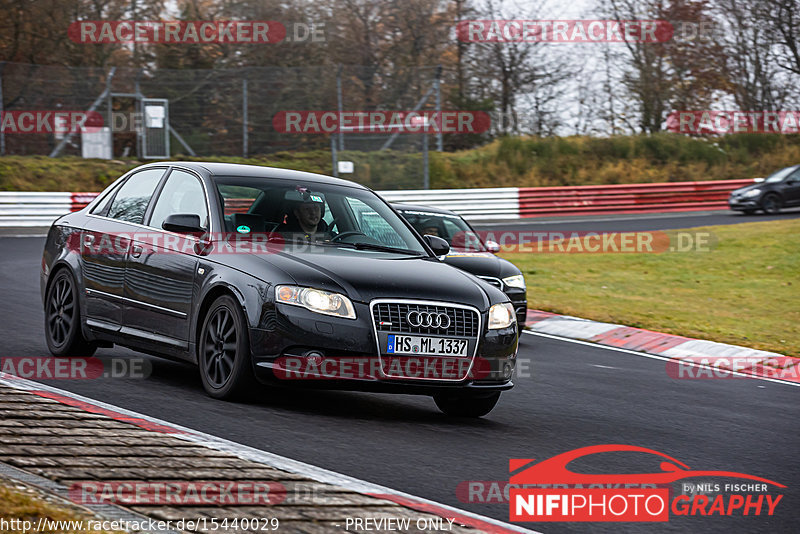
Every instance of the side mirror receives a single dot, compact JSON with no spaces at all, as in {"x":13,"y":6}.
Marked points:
{"x":439,"y":246}
{"x":183,"y":223}
{"x":492,"y":246}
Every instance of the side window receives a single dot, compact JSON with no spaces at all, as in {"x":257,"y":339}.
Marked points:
{"x":102,"y":207}
{"x":132,"y":198}
{"x":183,"y":193}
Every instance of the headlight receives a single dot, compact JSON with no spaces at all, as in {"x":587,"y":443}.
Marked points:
{"x":316,"y":300}
{"x":517,"y":281}
{"x":501,"y":316}
{"x":752,"y":193}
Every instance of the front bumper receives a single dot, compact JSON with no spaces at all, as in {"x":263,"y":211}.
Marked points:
{"x":296,"y":347}
{"x":741,"y":204}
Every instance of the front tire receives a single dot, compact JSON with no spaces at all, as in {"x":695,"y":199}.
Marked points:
{"x":62,"y":318}
{"x":771,"y":204}
{"x":466,"y":405}
{"x":224,"y":351}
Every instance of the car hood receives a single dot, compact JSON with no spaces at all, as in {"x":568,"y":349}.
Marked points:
{"x":482,"y":264}
{"x":364,"y":276}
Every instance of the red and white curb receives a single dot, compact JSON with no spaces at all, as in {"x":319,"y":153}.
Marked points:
{"x":319,"y":474}
{"x":760,"y":364}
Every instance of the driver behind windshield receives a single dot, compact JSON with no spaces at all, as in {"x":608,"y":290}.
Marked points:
{"x":429,"y":226}
{"x":304,"y":216}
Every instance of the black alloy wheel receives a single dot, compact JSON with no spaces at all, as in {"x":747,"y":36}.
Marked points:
{"x":62,"y":324}
{"x":224,"y":351}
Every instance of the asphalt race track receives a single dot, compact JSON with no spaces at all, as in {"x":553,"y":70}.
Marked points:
{"x":631,"y":222}
{"x":576,"y":395}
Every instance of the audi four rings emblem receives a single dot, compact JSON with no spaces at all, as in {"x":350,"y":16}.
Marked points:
{"x":428,"y":320}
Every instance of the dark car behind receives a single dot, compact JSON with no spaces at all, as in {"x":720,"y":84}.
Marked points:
{"x":780,"y":190}
{"x":469,"y":252}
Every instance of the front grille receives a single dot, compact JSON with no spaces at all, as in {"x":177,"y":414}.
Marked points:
{"x":463,"y":322}
{"x":494,"y":281}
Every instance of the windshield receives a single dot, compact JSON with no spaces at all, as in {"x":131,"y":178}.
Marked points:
{"x":323,"y":214}
{"x":780,"y":175}
{"x":451,"y":228}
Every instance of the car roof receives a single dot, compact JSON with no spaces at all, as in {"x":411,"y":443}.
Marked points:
{"x":256,"y":171}
{"x":428,"y":209}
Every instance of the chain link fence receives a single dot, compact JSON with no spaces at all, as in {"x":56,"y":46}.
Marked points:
{"x":230,"y":112}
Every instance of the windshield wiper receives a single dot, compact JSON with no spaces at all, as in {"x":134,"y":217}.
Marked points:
{"x":362,"y":246}
{"x":382,"y":248}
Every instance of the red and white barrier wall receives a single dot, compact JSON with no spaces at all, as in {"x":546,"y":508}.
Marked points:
{"x":40,"y":209}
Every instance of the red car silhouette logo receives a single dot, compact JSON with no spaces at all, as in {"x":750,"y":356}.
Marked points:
{"x":554,"y":470}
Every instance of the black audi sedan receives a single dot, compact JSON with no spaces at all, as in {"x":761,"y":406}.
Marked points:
{"x":275,"y":276}
{"x":780,"y":190}
{"x":469,"y":252}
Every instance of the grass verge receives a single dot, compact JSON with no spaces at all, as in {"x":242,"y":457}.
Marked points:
{"x":744,"y":291}
{"x":20,"y":503}
{"x":505,"y":162}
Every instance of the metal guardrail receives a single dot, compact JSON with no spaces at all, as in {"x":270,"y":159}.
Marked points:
{"x":33,"y":209}
{"x":473,"y":204}
{"x":41,"y":209}
{"x":626,"y":198}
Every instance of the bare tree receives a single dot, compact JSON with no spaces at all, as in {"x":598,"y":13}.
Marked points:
{"x":752,"y":66}
{"x":516,"y":73}
{"x":783,"y":23}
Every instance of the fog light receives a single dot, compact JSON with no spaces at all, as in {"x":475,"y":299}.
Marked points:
{"x":314,"y":357}
{"x":507,"y":370}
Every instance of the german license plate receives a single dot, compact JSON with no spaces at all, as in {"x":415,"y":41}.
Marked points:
{"x":426,"y":346}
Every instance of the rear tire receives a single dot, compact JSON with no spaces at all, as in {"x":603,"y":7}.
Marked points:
{"x":771,"y":204}
{"x":224,"y":351}
{"x":466,"y":404}
{"x":62,"y":318}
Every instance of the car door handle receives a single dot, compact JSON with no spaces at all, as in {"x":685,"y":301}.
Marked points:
{"x":136,"y":251}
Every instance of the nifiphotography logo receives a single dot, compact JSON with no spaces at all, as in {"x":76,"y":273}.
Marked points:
{"x":549,"y":491}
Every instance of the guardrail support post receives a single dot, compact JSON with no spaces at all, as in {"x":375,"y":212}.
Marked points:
{"x":105,"y":94}
{"x":438,"y":84}
{"x":426,"y":179}
{"x":2,"y":133}
{"x":334,"y":157}
{"x":339,"y":104}
{"x":244,"y":115}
